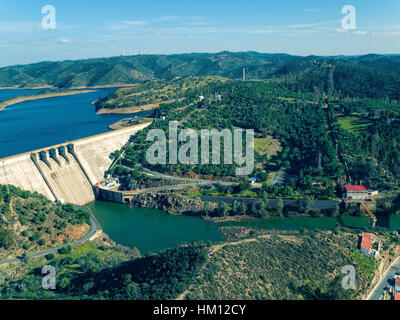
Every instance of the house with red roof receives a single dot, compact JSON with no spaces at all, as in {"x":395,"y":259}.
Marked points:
{"x":356,"y":192}
{"x":370,"y":244}
{"x":397,"y":288}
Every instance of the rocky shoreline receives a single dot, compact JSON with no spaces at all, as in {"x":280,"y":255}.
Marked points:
{"x":170,"y":202}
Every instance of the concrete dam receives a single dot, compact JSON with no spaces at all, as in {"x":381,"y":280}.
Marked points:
{"x":66,"y":171}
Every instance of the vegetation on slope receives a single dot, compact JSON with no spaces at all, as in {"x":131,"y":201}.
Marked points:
{"x":24,"y":281}
{"x":95,"y":271}
{"x":153,"y":93}
{"x":31,"y":223}
{"x":270,"y":266}
{"x":293,"y":119}
{"x":136,"y":69}
{"x":281,"y":267}
{"x":326,"y":115}
{"x":351,"y":76}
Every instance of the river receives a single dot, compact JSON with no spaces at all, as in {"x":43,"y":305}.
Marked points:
{"x":40,"y":123}
{"x":151,"y":230}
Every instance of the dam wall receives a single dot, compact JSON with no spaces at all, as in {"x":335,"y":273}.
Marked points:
{"x":22,"y":172}
{"x":67,"y":181}
{"x":94,"y":154}
{"x":66,"y":171}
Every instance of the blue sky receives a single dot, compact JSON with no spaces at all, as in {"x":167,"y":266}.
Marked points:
{"x":86,"y":29}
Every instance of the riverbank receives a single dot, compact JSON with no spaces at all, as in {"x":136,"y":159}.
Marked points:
{"x":108,"y":86}
{"x":13,"y":101}
{"x":135,"y":109}
{"x":128,"y":122}
{"x":27,"y":88}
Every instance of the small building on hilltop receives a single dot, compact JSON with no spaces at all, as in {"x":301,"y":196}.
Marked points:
{"x":370,"y":245}
{"x":356,"y":192}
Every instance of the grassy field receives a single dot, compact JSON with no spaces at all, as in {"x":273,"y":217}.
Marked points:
{"x":356,"y":123}
{"x":267,"y":146}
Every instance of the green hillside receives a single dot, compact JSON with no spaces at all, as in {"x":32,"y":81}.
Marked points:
{"x":136,"y":69}
{"x":287,"y":266}
{"x":152,"y":93}
{"x":31,"y":223}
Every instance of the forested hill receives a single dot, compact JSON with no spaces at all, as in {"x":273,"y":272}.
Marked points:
{"x":136,"y":69}
{"x":370,"y":69}
{"x":369,"y":76}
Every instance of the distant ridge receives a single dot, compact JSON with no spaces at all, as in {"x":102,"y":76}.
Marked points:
{"x":136,"y":69}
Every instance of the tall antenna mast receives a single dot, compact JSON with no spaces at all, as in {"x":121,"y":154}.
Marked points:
{"x":244,"y":73}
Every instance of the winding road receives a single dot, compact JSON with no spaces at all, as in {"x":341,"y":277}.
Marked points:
{"x":94,"y":227}
{"x":385,"y":281}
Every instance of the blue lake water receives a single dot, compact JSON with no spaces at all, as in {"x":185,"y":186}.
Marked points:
{"x":7,"y":94}
{"x":36,"y":124}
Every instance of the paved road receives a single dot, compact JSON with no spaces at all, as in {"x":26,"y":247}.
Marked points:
{"x":387,"y":281}
{"x":186,"y":180}
{"x":320,"y":204}
{"x":94,"y":227}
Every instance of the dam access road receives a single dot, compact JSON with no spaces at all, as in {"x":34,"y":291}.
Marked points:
{"x":94,"y":227}
{"x":66,"y":171}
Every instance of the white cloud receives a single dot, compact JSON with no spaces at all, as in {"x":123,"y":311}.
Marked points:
{"x":341,"y":30}
{"x":312,"y":10}
{"x":64,"y":41}
{"x":313,"y":25}
{"x":159,"y":21}
{"x":135,"y":22}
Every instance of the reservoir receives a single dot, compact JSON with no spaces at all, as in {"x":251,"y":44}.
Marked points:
{"x":11,"y":93}
{"x":40,"y":123}
{"x":151,"y":230}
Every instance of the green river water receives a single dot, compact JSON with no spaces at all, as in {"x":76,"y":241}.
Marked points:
{"x":153,"y":230}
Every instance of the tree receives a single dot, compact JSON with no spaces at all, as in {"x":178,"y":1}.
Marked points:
{"x":307,"y":203}
{"x":279,"y":206}
{"x":6,"y":238}
{"x":245,"y":186}
{"x":223,"y":209}
{"x":265,"y":199}
{"x":207,"y":209}
{"x":260,"y":209}
{"x":335,"y":211}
